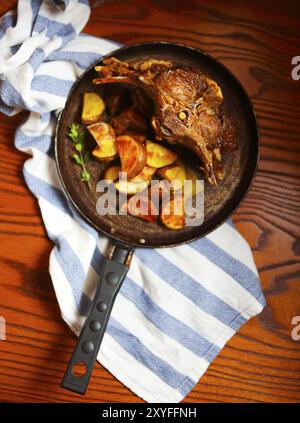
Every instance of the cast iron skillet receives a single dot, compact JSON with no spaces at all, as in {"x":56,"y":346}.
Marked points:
{"x":127,"y":232}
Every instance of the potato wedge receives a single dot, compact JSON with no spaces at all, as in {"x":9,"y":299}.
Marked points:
{"x":132,"y":154}
{"x":112,"y":173}
{"x":174,"y":173}
{"x":105,"y":138}
{"x":141,"y":206}
{"x":192,"y":189}
{"x":138,"y":137}
{"x":145,"y":175}
{"x":159,"y":190}
{"x":158,"y":155}
{"x":102,"y":155}
{"x":172,"y":213}
{"x":93,"y":107}
{"x":104,"y":135}
{"x":169,"y":172}
{"x":138,"y":183}
{"x":131,"y":187}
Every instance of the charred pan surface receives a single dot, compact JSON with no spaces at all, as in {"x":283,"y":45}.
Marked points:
{"x":188,"y":107}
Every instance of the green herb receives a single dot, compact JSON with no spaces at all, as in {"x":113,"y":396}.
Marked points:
{"x":81,"y":157}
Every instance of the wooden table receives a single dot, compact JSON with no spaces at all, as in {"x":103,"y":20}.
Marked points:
{"x":256,"y":39}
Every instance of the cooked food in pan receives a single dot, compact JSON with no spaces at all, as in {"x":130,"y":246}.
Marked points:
{"x":160,"y":103}
{"x":188,"y":107}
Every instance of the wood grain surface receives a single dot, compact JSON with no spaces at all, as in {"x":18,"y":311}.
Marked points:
{"x":256,"y":39}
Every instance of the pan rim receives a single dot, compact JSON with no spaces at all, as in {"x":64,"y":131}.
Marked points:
{"x":240,"y":194}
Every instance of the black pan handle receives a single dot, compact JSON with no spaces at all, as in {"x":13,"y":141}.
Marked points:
{"x":112,"y":275}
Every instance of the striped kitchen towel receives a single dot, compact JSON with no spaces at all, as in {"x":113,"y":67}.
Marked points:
{"x":178,"y":306}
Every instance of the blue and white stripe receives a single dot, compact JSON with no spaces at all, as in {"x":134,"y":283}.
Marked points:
{"x":178,"y":306}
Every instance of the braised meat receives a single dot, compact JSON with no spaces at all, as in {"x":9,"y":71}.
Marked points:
{"x":188,"y":107}
{"x":130,"y":119}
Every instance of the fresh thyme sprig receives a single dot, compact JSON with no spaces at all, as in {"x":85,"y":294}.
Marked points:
{"x":81,"y":157}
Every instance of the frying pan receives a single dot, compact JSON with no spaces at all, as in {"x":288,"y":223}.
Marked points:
{"x":127,"y":232}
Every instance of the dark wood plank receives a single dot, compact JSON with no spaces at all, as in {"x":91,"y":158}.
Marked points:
{"x":256,"y":40}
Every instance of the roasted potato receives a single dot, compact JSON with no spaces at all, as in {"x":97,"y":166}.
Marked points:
{"x":158,"y":155}
{"x":93,"y":107}
{"x":112,"y":173}
{"x":174,"y":173}
{"x":131,"y":187}
{"x":194,"y":189}
{"x":159,"y":189}
{"x":138,"y":183}
{"x":138,"y":137}
{"x":140,"y":205}
{"x":132,"y":154}
{"x":146,"y":174}
{"x":102,"y":155}
{"x":105,"y":138}
{"x":172,"y":213}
